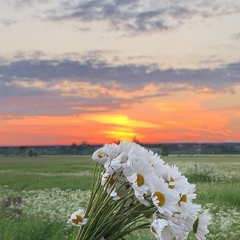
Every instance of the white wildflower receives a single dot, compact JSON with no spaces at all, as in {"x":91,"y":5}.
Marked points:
{"x":77,"y":218}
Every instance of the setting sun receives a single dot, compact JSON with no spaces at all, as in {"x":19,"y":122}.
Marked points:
{"x":121,"y":120}
{"x":121,"y":134}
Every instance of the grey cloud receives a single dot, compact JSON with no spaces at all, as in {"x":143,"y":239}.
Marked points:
{"x":102,"y":103}
{"x":130,"y":15}
{"x":10,"y":90}
{"x":141,"y":16}
{"x":35,"y":106}
{"x":128,"y":77}
{"x":126,"y":15}
{"x":17,"y":99}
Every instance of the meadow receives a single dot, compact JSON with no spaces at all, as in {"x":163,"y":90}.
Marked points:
{"x":52,"y":187}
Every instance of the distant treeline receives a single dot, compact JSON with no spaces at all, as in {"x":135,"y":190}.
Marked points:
{"x":163,"y":149}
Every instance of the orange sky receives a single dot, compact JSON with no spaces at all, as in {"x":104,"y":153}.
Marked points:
{"x":157,"y":71}
{"x":186,"y":117}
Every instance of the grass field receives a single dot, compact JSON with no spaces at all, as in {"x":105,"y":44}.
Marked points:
{"x":53,"y":187}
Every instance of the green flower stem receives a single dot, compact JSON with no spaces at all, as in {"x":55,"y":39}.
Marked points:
{"x":128,"y":231}
{"x":95,"y":188}
{"x":101,"y":217}
{"x":109,"y":218}
{"x":97,"y":202}
{"x":121,"y":221}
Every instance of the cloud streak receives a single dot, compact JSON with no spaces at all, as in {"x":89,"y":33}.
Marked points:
{"x":142,"y":16}
{"x":128,"y":77}
{"x":65,"y":87}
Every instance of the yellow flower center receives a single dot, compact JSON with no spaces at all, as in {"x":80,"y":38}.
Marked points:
{"x":171,"y":186}
{"x":183,"y":198}
{"x":111,"y":181}
{"x":100,"y":154}
{"x":161,"y":198}
{"x":78,"y":219}
{"x":140,"y":180}
{"x":153,"y":229}
{"x":177,"y":213}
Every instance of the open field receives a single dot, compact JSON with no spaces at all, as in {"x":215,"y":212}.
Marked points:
{"x":53,"y":187}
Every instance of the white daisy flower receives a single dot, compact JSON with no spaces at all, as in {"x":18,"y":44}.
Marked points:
{"x":107,"y":152}
{"x":108,"y":168}
{"x":200,"y":225}
{"x":157,"y":164}
{"x":157,"y":227}
{"x":187,"y":193}
{"x":77,"y":218}
{"x":164,"y":198}
{"x":163,"y":229}
{"x":140,"y":177}
{"x":191,"y":216}
{"x":111,"y":150}
{"x":172,"y":226}
{"x":125,"y":146}
{"x":174,"y":178}
{"x":100,"y":156}
{"x":118,"y":163}
{"x":186,"y":196}
{"x":138,"y":152}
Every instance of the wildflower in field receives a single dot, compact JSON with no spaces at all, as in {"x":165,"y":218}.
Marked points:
{"x":77,"y":218}
{"x":200,"y":225}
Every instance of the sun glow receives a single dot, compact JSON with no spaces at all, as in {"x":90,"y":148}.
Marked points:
{"x":116,"y":134}
{"x":121,"y":120}
{"x":120,"y":126}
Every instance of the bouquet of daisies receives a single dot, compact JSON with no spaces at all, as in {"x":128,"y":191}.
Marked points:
{"x":133,"y":188}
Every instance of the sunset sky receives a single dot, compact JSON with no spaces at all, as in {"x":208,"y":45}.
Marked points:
{"x":106,"y":70}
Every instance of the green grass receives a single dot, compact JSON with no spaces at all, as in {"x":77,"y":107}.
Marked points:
{"x":217,"y":177}
{"x":29,"y":173}
{"x":33,"y":229}
{"x":226,"y":194}
{"x":47,"y":164}
{"x":53,"y":183}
